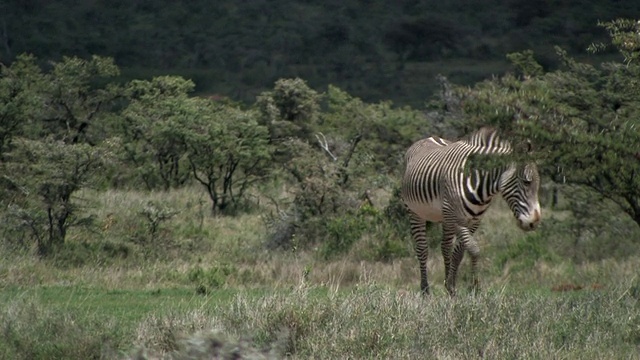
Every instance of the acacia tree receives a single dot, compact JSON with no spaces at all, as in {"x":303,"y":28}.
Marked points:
{"x":153,"y":125}
{"x":584,"y":120}
{"x":51,"y":144}
{"x":228,"y":151}
{"x":49,"y":173}
{"x":171,"y":138}
{"x":385,"y":131}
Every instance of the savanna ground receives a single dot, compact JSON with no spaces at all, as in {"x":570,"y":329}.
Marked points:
{"x":197,"y":285}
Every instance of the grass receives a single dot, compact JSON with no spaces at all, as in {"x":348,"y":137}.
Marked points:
{"x":204,"y":286}
{"x":367,"y":320}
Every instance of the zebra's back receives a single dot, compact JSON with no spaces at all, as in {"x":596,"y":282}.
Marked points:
{"x":429,"y":164}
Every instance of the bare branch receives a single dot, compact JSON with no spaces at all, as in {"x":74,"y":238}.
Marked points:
{"x":325,"y":146}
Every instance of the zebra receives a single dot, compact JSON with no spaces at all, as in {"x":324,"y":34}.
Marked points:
{"x":437,"y":188}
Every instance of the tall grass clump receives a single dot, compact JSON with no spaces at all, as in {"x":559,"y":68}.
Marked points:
{"x":372,"y":321}
{"x":32,"y":330}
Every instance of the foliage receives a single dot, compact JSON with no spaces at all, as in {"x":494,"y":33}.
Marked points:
{"x":289,"y":110}
{"x":595,"y":231}
{"x":73,"y":103}
{"x":67,"y":103}
{"x":16,"y":100}
{"x":582,"y":120}
{"x":333,"y":174}
{"x":625,"y":37}
{"x":53,"y":143}
{"x":316,"y":195}
{"x":525,"y":63}
{"x":210,"y":279}
{"x":172,"y":138}
{"x":153,"y":127}
{"x":342,"y":232}
{"x":332,"y":181}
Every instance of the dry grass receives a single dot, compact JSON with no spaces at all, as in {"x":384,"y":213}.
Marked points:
{"x":373,"y":321}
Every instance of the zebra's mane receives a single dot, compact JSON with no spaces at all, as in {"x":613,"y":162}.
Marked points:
{"x":488,"y":141}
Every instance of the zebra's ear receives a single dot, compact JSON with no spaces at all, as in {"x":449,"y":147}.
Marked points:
{"x":529,"y":147}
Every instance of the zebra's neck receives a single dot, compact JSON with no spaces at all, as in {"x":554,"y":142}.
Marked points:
{"x":480,"y":186}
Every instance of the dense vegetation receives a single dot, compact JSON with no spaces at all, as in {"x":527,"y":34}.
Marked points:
{"x":375,"y":49}
{"x":135,"y":214}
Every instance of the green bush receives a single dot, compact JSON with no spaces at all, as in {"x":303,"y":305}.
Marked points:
{"x":390,"y":250}
{"x":524,"y":252}
{"x":212,"y":278}
{"x":341,"y":233}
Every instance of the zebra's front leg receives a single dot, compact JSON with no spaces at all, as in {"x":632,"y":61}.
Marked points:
{"x":452,"y":274}
{"x":467,"y":241}
{"x":418,"y":232}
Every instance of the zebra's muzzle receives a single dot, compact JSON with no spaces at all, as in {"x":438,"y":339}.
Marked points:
{"x":530,"y":222}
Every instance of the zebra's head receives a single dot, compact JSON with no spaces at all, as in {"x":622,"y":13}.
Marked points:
{"x":520,"y":186}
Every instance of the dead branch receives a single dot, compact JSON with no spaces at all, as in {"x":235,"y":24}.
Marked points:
{"x":325,"y":146}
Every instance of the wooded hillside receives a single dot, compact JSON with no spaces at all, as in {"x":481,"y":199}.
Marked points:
{"x":376,"y":49}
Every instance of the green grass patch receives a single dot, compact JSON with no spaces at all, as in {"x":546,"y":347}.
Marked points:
{"x":127,"y":305}
{"x":51,"y":322}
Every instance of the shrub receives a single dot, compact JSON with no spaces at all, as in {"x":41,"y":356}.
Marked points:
{"x":341,"y":233}
{"x":389,"y":250}
{"x":525,"y":252}
{"x":212,"y":278}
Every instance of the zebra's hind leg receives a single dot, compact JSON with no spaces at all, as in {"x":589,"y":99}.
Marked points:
{"x":448,"y":236}
{"x":418,"y":232}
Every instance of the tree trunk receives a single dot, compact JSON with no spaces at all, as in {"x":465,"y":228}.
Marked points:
{"x":554,"y":197}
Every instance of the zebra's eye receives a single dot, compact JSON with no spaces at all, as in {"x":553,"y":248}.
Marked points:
{"x":526,"y":182}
